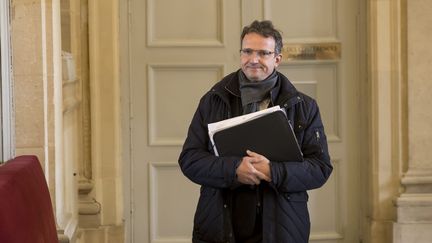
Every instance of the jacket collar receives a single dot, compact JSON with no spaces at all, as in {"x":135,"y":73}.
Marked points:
{"x":233,"y":85}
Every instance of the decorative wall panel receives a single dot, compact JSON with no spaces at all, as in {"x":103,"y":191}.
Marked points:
{"x":173,"y":200}
{"x":171,"y":104}
{"x":304,"y":19}
{"x":185,"y":23}
{"x":320,"y":81}
{"x":324,"y":209}
{"x":307,"y":87}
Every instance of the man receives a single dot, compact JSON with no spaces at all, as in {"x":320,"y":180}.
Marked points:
{"x":252,"y":199}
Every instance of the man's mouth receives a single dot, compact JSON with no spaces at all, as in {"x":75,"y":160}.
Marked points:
{"x":255,"y":67}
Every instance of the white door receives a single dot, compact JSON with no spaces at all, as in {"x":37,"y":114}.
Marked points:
{"x":179,"y":48}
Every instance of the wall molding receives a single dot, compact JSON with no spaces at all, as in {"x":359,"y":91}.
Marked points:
{"x":153,"y":138}
{"x":153,"y":41}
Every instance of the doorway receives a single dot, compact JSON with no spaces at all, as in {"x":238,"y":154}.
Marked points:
{"x":177,"y":52}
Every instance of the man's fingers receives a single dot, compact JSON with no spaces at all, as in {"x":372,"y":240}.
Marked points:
{"x":253,"y":177}
{"x":249,"y":174}
{"x":262,"y":176}
{"x":255,"y":180}
{"x":251,"y":153}
{"x":258,"y":176}
{"x":255,"y":157}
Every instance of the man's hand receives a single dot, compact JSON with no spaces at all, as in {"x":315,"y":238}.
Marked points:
{"x":261,"y":164}
{"x":253,"y":168}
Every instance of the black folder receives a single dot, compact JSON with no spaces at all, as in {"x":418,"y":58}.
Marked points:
{"x":270,"y":135}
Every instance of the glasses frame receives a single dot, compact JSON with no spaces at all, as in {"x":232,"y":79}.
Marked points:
{"x":261,"y":53}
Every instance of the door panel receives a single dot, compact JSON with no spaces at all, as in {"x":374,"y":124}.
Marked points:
{"x":178,"y":49}
{"x":320,"y":81}
{"x":303,"y":19}
{"x":168,"y":84}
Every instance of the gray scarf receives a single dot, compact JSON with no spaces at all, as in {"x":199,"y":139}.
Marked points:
{"x":252,"y":93}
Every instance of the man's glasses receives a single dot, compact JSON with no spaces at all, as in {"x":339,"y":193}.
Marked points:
{"x":261,"y":53}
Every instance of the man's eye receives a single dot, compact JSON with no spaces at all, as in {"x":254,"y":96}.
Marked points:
{"x":264,"y":53}
{"x":248,"y":51}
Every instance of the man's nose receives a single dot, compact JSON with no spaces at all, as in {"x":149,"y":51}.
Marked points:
{"x":255,"y":57}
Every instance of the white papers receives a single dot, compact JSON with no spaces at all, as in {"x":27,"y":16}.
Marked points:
{"x":224,"y":124}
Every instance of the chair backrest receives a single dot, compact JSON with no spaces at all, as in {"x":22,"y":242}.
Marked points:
{"x":26,"y":213}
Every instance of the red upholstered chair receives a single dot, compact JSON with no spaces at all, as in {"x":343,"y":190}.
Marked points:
{"x":26,"y":213}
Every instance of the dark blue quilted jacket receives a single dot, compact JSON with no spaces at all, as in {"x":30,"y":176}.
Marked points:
{"x":285,"y":213}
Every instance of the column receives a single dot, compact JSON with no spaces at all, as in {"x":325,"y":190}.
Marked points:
{"x":414,"y":205}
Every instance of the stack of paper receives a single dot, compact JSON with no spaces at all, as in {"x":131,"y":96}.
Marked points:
{"x":267,"y":132}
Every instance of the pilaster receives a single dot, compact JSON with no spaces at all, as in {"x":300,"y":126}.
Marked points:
{"x":414,"y":208}
{"x":414,"y":205}
{"x":388,"y":116}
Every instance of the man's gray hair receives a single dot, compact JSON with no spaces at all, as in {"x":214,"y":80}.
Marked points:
{"x":266,"y":29}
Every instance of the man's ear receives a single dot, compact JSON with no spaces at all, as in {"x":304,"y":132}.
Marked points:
{"x":278,"y":60}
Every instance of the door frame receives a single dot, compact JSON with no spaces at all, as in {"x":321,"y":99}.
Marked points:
{"x":126,"y":135}
{"x":7,"y":134}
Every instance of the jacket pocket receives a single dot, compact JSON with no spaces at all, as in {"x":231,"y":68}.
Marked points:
{"x":319,"y":140}
{"x":313,"y":142}
{"x":294,"y":214}
{"x":208,"y":220}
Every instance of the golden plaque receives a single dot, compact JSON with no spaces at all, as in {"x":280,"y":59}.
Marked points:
{"x":311,"y":51}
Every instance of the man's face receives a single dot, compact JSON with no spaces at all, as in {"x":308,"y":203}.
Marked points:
{"x":258,"y":59}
